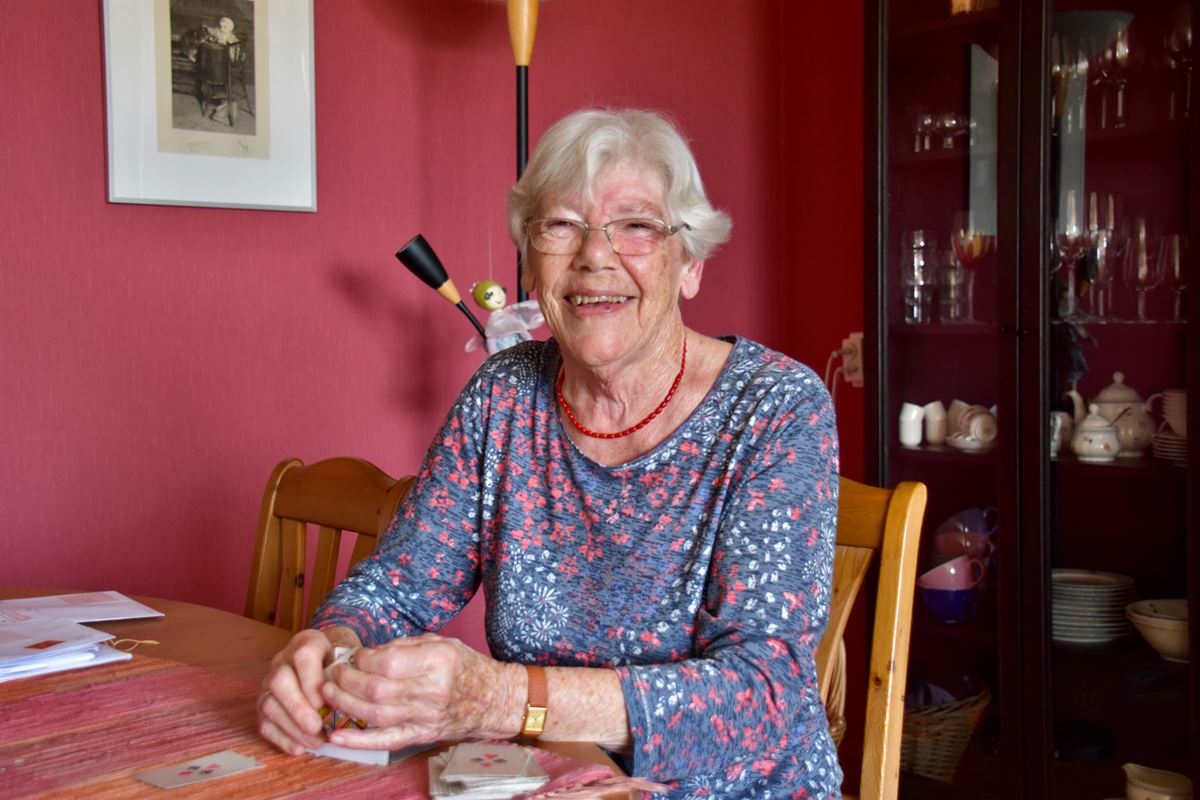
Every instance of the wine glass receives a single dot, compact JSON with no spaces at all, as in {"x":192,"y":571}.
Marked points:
{"x":1177,"y":46}
{"x":1141,"y":270}
{"x":1173,"y":255}
{"x":971,"y":245}
{"x":922,"y":123}
{"x":1108,"y":247}
{"x":1071,"y":242}
{"x":1116,"y":61}
{"x":949,"y":125}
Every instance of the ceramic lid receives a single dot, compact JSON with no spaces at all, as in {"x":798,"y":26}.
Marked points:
{"x":1118,"y":391}
{"x":1095,"y":420}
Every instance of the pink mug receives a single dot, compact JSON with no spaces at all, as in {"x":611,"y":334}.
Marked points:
{"x":962,"y":572}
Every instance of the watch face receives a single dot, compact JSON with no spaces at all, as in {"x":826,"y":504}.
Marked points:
{"x":535,"y":721}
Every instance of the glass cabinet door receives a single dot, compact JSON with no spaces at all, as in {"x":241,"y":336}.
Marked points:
{"x":942,"y":413}
{"x":1034,"y":169}
{"x":1118,"y":115}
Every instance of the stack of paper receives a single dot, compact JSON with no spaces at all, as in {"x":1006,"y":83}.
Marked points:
{"x":83,"y":606}
{"x":40,"y":635}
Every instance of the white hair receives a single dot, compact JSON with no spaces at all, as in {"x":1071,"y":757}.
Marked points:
{"x":578,"y":147}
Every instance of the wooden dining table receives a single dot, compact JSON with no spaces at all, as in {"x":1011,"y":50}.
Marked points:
{"x":190,"y":690}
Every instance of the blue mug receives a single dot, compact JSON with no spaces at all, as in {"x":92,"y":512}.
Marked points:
{"x":948,"y":605}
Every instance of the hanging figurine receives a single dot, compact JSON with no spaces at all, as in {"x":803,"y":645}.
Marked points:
{"x":507,"y":324}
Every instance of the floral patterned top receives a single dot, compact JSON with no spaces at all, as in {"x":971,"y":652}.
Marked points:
{"x":701,"y":571}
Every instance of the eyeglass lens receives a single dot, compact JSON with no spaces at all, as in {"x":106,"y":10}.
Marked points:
{"x":626,"y":236}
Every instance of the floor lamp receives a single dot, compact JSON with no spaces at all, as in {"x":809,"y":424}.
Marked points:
{"x":522,"y":27}
{"x":417,"y":255}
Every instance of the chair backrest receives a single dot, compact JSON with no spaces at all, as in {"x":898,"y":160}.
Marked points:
{"x":883,"y":523}
{"x":336,"y":495}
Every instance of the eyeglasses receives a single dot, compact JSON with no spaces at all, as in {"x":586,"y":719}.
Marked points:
{"x":627,"y":237}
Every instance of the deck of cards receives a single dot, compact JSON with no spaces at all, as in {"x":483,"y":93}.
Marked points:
{"x":484,"y":771}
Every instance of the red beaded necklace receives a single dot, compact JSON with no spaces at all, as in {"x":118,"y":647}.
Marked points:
{"x":562,"y":402}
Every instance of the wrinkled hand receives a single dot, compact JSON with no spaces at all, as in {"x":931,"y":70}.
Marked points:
{"x":425,"y":689}
{"x":287,"y":706}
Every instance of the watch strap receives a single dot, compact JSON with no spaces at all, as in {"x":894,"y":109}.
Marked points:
{"x":535,"y":706}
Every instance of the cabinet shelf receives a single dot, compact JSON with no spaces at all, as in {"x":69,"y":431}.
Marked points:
{"x":955,"y":156}
{"x":944,"y":329}
{"x":1145,"y":463}
{"x":941,"y":453}
{"x":1132,"y":324}
{"x":978,"y":632}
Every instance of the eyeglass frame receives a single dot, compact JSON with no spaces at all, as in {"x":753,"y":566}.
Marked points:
{"x":586,"y":230}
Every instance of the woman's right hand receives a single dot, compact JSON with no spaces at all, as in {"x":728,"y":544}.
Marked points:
{"x":291,"y":694}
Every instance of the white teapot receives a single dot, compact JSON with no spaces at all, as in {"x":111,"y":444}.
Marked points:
{"x":1144,"y":783}
{"x":1095,"y":438}
{"x":1121,"y":405}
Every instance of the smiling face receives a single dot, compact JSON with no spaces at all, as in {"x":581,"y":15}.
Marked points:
{"x":608,"y":310}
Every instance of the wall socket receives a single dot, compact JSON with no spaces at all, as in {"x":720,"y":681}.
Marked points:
{"x":852,"y":359}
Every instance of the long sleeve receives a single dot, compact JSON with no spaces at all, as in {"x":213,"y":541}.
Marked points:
{"x":426,"y":567}
{"x":747,"y":701}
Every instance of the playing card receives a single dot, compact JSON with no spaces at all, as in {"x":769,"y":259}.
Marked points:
{"x":197,"y":770}
{"x":333,"y":719}
{"x":474,"y":761}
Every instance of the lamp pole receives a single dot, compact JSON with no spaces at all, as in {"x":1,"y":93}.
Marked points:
{"x":522,"y":27}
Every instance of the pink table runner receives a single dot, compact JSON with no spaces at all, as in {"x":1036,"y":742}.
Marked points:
{"x":85,"y":734}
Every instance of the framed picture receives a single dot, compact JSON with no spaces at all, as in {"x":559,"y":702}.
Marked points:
{"x":210,"y":103}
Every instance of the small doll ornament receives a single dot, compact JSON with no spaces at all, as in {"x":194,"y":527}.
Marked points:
{"x":507,"y":324}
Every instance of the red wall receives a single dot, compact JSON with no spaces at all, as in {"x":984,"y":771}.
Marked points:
{"x":156,"y":362}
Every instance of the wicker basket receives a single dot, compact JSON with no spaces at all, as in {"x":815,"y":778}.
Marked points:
{"x":936,"y":736}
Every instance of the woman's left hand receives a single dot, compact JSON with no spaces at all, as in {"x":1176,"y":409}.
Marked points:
{"x":426,"y":689}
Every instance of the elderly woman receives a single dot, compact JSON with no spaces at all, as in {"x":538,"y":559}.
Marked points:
{"x":650,"y":512}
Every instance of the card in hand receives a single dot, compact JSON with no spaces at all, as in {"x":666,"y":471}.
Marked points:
{"x":198,"y":770}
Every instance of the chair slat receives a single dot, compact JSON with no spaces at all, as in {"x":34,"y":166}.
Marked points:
{"x":329,"y":541}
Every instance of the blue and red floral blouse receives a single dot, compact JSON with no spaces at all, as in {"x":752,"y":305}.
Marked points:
{"x":701,"y":571}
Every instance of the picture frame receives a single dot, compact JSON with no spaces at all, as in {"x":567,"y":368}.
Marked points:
{"x":211,"y":103}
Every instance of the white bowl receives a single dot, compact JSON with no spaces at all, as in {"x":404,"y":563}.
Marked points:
{"x":1163,"y":624}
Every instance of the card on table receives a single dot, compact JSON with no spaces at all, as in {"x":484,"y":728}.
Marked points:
{"x":198,"y":770}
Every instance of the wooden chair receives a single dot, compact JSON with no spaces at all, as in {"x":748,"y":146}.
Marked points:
{"x":886,"y":522}
{"x":337,"y":494}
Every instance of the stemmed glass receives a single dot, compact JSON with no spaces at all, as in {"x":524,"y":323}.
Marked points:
{"x":1141,"y":271}
{"x":949,"y":125}
{"x":1177,"y":46}
{"x":1108,"y":245}
{"x":922,"y":123}
{"x":971,"y":245}
{"x":1116,"y":61}
{"x":1071,"y":242}
{"x":1173,"y":255}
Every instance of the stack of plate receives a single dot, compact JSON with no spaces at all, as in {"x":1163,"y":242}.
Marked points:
{"x":1088,"y":607}
{"x":1167,"y":445}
